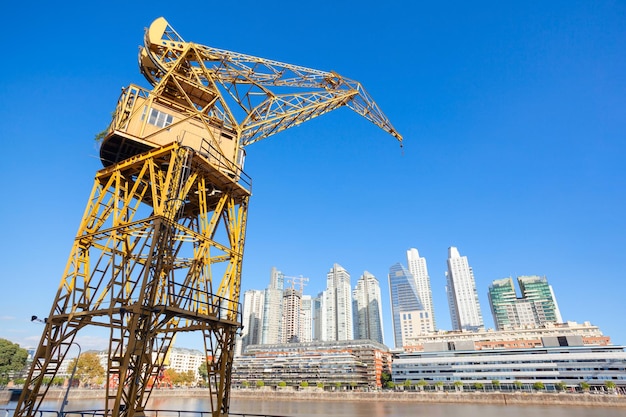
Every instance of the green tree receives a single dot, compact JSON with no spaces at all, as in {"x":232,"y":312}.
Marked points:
{"x":282,"y":384}
{"x":518,"y":384}
{"x":439,"y":385}
{"x":88,"y":370}
{"x":245,"y":383}
{"x":610,"y":385}
{"x":478,"y":386}
{"x":390,"y":385}
{"x":584,"y":386}
{"x":12,"y":359}
{"x":560,"y":386}
{"x":495,"y":384}
{"x":458,"y":385}
{"x":539,"y":386}
{"x":385,"y":377}
{"x":320,"y":385}
{"x":407,"y":384}
{"x":421,"y":384}
{"x":304,"y":384}
{"x":260,"y":384}
{"x":203,"y":372}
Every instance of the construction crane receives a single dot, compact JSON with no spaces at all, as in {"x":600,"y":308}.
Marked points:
{"x":160,"y":246}
{"x":299,"y":280}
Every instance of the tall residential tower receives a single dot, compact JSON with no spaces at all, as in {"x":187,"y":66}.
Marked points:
{"x":419,"y":270}
{"x":273,"y":309}
{"x":337,"y":306}
{"x":252,"y":320}
{"x":462,"y":295}
{"x":367,"y":309}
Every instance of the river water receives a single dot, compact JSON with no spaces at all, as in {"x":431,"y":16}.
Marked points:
{"x":300,"y":408}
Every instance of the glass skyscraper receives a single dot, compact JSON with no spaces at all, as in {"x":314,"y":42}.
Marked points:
{"x":409,"y":317}
{"x":419,"y":270}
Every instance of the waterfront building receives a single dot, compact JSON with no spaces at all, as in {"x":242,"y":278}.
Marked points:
{"x":463,"y":302}
{"x":408,"y":314}
{"x":419,"y":270}
{"x":306,"y":319}
{"x":292,"y":306}
{"x":556,"y":362}
{"x":183,"y":360}
{"x":316,"y":305}
{"x":349,"y":363}
{"x":337,"y":306}
{"x":536,"y":289}
{"x":536,"y":306}
{"x":367,"y":309}
{"x":251,"y":320}
{"x":271,"y":329}
{"x":508,"y":338}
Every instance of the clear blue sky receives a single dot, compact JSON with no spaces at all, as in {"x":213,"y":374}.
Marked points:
{"x":514,"y":118}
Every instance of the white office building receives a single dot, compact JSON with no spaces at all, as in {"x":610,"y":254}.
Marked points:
{"x":554,"y":363}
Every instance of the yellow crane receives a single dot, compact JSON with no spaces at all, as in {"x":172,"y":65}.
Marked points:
{"x":160,"y":246}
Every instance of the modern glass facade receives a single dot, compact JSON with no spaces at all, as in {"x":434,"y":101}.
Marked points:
{"x":535,"y":288}
{"x":568,"y":364}
{"x":419,"y":270}
{"x":536,"y":307}
{"x":409,"y":316}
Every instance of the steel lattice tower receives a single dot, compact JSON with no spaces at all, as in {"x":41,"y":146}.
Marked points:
{"x":159,"y":249}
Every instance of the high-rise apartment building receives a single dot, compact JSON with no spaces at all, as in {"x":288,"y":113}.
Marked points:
{"x":507,"y":311}
{"x":419,"y":270}
{"x":367,"y":309}
{"x":536,"y":307}
{"x":462,"y":295}
{"x":273,"y":309}
{"x":292,"y":305}
{"x":536,"y":289}
{"x":318,"y":312}
{"x":306,"y":319}
{"x":251,"y":319}
{"x":409,"y":317}
{"x":337,"y":306}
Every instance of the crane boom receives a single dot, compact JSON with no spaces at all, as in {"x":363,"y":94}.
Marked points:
{"x":272,"y":95}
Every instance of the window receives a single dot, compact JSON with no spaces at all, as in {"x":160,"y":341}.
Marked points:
{"x":159,"y":118}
